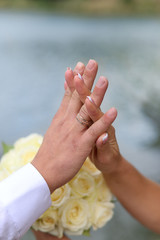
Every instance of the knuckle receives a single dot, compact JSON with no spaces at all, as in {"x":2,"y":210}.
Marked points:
{"x":87,"y":75}
{"x":75,"y":95}
{"x":67,"y":93}
{"x":94,"y":113}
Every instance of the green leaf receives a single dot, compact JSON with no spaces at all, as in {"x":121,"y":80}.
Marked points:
{"x":6,"y":147}
{"x":87,"y":233}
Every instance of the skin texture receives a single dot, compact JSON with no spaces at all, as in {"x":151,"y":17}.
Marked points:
{"x":139,"y":195}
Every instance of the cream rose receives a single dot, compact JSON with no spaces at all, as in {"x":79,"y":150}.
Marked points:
{"x":31,"y":140}
{"x":60,"y":195}
{"x":74,"y":216}
{"x":89,"y":167}
{"x":47,"y":222}
{"x":23,"y":152}
{"x":103,"y":192}
{"x":10,"y":161}
{"x":83,"y":185}
{"x":27,"y":154}
{"x":102,"y":212}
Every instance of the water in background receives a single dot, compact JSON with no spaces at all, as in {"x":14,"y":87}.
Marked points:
{"x":35,"y":50}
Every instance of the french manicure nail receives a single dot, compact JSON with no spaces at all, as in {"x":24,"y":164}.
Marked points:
{"x":79,"y":75}
{"x":104,"y":140}
{"x":90,"y":99}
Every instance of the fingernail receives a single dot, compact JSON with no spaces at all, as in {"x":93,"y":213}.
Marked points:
{"x":105,"y":138}
{"x":68,"y":68}
{"x":90,"y":64}
{"x":79,"y":75}
{"x":101,"y":82}
{"x":79,"y":65}
{"x":112,"y":112}
{"x":90,"y":99}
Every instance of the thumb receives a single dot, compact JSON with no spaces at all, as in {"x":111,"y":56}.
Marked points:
{"x":100,"y":126}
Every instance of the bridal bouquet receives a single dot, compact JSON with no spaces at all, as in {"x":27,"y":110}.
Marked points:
{"x":83,"y":203}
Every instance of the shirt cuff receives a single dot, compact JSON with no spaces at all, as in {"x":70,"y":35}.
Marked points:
{"x":26,"y":196}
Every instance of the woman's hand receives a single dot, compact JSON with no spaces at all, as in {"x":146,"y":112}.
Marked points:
{"x":105,"y":155}
{"x":45,"y":236}
{"x":69,"y":139}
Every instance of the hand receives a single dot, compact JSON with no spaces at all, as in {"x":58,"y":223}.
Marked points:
{"x":45,"y":236}
{"x":105,"y":154}
{"x":67,"y":143}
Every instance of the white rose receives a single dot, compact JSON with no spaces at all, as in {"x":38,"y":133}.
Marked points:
{"x":47,"y":222}
{"x":23,"y":152}
{"x":89,"y":167}
{"x":101,"y":213}
{"x":60,"y":195}
{"x":103,"y":192}
{"x":31,"y":140}
{"x":10,"y":161}
{"x":83,"y":185}
{"x":26,"y":154}
{"x":74,"y":216}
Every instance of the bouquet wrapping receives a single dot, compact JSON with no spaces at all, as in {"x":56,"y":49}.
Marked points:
{"x":83,"y":203}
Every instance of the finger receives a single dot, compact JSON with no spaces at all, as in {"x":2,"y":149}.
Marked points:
{"x":69,"y":86}
{"x":88,"y":77}
{"x":96,"y":98}
{"x":98,"y":93}
{"x":98,"y":128}
{"x":69,"y":77}
{"x":92,"y":110}
{"x":102,"y":140}
{"x":90,"y":73}
{"x":67,"y":94}
{"x":79,"y":68}
{"x":105,"y":140}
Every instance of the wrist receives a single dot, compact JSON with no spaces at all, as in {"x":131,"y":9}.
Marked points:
{"x":117,"y":170}
{"x":45,"y":172}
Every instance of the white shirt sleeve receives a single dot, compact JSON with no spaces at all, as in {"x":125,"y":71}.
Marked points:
{"x":24,"y":197}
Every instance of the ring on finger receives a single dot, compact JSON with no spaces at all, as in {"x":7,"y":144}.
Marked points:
{"x":83,"y":121}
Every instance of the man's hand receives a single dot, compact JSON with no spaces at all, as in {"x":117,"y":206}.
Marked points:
{"x":69,"y":141}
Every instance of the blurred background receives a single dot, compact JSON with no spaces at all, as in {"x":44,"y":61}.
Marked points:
{"x":40,"y":39}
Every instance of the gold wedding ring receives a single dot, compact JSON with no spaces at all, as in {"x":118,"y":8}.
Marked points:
{"x":82,"y":121}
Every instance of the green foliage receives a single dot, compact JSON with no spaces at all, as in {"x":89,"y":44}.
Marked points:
{"x":87,"y":233}
{"x":6,"y":147}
